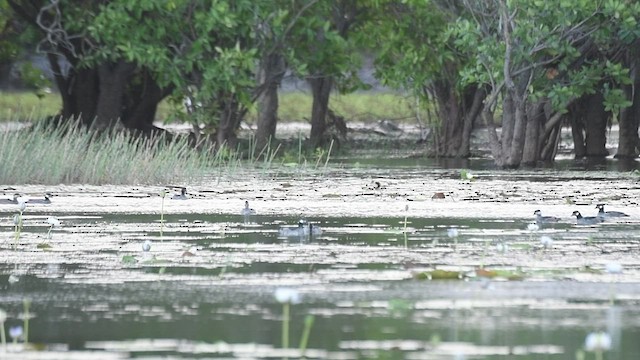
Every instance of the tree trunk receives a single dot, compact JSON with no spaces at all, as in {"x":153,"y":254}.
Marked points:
{"x":531,"y":152}
{"x":628,"y":142}
{"x":113,"y":79}
{"x":320,"y":89}
{"x":589,"y":125}
{"x":272,"y":70}
{"x":141,"y":103}
{"x":519,"y":133}
{"x":229,"y":122}
{"x":577,"y":128}
{"x":456,"y":113}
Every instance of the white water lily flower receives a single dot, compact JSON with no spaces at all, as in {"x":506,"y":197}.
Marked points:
{"x":146,"y":245}
{"x":502,"y":247}
{"x":614,"y":268}
{"x":3,"y":316}
{"x":16,"y":219}
{"x":452,"y":232}
{"x":22,"y":204}
{"x":287,"y":295}
{"x":53,"y":221}
{"x":546,"y":241}
{"x":597,"y":341}
{"x":15,"y":331}
{"x":533,"y":227}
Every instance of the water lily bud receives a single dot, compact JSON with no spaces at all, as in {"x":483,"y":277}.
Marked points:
{"x":597,"y":341}
{"x":146,"y":245}
{"x":614,"y":268}
{"x":287,"y":295}
{"x":53,"y":221}
{"x":546,"y":241}
{"x":452,"y":232}
{"x":15,"y":331}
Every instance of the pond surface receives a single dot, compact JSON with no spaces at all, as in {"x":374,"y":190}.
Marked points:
{"x":385,"y":279}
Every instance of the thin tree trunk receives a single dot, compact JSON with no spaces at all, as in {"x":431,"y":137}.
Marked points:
{"x":596,"y":127}
{"x":628,"y":141}
{"x":519,"y":131}
{"x":271,"y":73}
{"x":469,"y":119}
{"x":320,"y":89}
{"x":530,"y":154}
{"x":226,"y":131}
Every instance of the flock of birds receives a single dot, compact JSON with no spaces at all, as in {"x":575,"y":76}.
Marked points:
{"x":581,"y":220}
{"x":304,"y":228}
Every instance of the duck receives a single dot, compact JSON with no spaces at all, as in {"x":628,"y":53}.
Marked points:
{"x":304,"y":228}
{"x":46,"y":199}
{"x":589,"y":220}
{"x":181,"y":196}
{"x":544,"y":219}
{"x":607,"y":214}
{"x":247,"y":211}
{"x":10,"y":201}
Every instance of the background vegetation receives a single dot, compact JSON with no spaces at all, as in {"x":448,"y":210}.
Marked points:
{"x":522,"y":68}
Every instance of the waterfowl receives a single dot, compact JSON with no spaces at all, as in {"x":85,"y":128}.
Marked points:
{"x":589,"y":220}
{"x":606,"y":214}
{"x":10,"y":201}
{"x":304,"y":228}
{"x":247,"y":211}
{"x":181,"y":196}
{"x":46,"y":200}
{"x":544,"y":219}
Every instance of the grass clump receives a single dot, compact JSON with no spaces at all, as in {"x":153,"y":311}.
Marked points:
{"x":71,"y":154}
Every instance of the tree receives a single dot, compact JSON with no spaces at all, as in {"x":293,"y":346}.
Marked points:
{"x":275,"y":41}
{"x":549,"y":57}
{"x":416,"y":52}
{"x":325,"y":56}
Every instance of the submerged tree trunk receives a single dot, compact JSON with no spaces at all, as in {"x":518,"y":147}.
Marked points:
{"x":272,"y":70}
{"x":320,"y":89}
{"x":629,"y":143}
{"x":457,"y":114}
{"x":589,"y":125}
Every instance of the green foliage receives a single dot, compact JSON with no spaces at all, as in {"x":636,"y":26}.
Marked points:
{"x":550,"y":54}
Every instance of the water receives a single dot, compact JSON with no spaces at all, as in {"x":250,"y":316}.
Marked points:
{"x":206,"y":288}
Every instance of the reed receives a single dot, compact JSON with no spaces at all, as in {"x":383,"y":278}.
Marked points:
{"x":71,"y":154}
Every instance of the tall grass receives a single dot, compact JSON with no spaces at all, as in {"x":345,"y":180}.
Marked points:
{"x":71,"y":154}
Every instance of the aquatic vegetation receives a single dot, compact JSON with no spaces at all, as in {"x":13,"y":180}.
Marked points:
{"x":32,"y":156}
{"x":163,"y":195}
{"x":146,"y":246}
{"x":53,"y":223}
{"x":598,"y":343}
{"x":15,"y":332}
{"x":3,"y":335}
{"x":17,"y":221}
{"x":286,"y":297}
{"x":26,"y":304}
{"x":546,"y":241}
{"x":304,"y":339}
{"x":613,"y":268}
{"x":466,"y":175}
